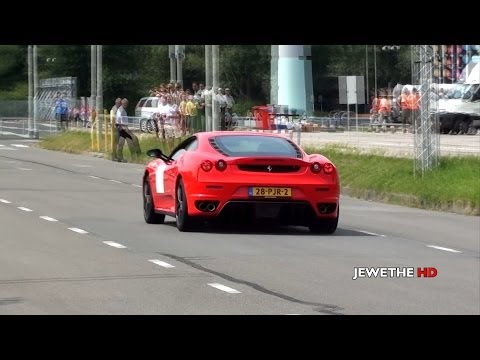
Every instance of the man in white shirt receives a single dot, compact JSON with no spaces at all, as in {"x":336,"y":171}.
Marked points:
{"x":124,"y":133}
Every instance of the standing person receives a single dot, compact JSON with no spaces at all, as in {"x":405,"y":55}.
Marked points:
{"x":199,"y":100}
{"x":115,"y":133}
{"x":118,"y":103}
{"x":124,"y":133}
{"x":404,"y":106}
{"x":61,"y":113}
{"x":414,"y":105}
{"x":191,"y":115}
{"x":222,"y":105}
{"x":230,"y":101}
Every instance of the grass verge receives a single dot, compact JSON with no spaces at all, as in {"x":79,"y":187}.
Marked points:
{"x":453,"y":186}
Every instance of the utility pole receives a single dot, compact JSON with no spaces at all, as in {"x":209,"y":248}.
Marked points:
{"x":375,"y":67}
{"x":93,"y":79}
{"x":215,"y":78}
{"x":171,"y":55}
{"x":35,"y":93}
{"x":30,"y":90}
{"x":208,"y":87}
{"x":366,"y":77}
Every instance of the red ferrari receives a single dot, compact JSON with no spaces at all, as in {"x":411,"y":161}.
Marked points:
{"x":241,"y":176}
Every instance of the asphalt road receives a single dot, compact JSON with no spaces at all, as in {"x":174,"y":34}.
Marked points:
{"x":69,"y":266}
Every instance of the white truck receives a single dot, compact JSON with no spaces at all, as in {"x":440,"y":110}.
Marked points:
{"x":460,"y":112}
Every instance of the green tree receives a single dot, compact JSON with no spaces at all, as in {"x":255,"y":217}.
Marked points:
{"x":13,"y":74}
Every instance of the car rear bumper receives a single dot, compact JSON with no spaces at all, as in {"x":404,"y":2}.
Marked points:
{"x":233,"y":200}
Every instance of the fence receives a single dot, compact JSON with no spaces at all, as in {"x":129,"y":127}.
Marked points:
{"x":13,"y":108}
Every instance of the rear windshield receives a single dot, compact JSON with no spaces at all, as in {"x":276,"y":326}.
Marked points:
{"x":248,"y":145}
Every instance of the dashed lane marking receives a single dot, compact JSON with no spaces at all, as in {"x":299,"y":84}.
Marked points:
{"x":224,"y":288}
{"x":77,"y":230}
{"x":161,"y":263}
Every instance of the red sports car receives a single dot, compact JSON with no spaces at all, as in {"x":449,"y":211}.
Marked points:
{"x":241,"y":176}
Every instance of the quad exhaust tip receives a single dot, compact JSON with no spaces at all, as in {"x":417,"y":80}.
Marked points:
{"x":207,"y":206}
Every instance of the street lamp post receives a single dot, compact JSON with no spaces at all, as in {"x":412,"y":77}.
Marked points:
{"x":180,"y":55}
{"x":35,"y":133}
{"x":99,"y":84}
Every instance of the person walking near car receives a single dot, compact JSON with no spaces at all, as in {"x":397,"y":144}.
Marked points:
{"x":125,"y":134}
{"x":115,"y":132}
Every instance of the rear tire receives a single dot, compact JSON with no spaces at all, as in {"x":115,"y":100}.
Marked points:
{"x":148,"y":206}
{"x":325,"y":226}
{"x":184,"y":221}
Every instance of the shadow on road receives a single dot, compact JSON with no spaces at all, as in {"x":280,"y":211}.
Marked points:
{"x":267,"y":229}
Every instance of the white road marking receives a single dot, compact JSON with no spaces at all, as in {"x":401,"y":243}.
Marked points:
{"x":2,"y":145}
{"x":77,"y":230}
{"x":161,"y":263}
{"x":19,"y":145}
{"x":136,"y":185}
{"x":444,"y":248}
{"x":21,"y":168}
{"x":93,"y":177}
{"x":24,"y":208}
{"x":114,"y":244}
{"x":82,"y":166}
{"x":224,"y":288}
{"x":115,"y":181}
{"x":48,"y":218}
{"x":5,"y":201}
{"x":370,"y":233}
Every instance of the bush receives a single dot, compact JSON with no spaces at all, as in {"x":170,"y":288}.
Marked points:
{"x":242,"y":107}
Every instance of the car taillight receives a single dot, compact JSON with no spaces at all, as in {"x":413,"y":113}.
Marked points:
{"x":221,"y":165}
{"x":328,"y":168}
{"x":206,"y":165}
{"x":316,"y":167}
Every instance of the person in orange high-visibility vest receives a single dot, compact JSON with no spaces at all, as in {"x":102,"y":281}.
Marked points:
{"x":406,"y":112}
{"x":384,"y":109}
{"x":413,"y":103}
{"x":374,"y":110}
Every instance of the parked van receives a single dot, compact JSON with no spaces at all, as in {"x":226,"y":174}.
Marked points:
{"x":146,"y":107}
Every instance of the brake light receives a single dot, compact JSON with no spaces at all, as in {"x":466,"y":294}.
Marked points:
{"x":316,"y":167}
{"x":206,"y":165}
{"x":328,"y":168}
{"x":221,"y":165}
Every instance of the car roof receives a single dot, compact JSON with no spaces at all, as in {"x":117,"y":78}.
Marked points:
{"x":208,"y":134}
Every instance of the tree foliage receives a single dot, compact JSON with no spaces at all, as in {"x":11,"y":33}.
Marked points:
{"x":131,"y":70}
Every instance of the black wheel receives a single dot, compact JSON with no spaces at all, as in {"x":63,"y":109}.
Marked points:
{"x":184,"y":221}
{"x":325,"y":226}
{"x":151,"y":126}
{"x":148,"y":208}
{"x":143,"y":125}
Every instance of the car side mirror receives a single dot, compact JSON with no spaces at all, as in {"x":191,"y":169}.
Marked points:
{"x":156,"y":153}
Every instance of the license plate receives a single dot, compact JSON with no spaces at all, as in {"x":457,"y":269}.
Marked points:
{"x":271,"y":192}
